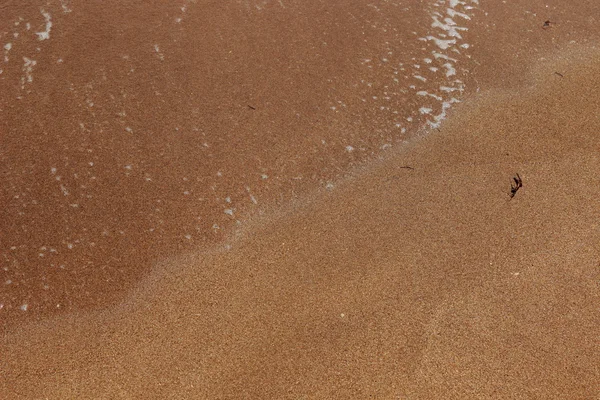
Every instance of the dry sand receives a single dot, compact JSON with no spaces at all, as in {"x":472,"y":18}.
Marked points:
{"x":399,"y":283}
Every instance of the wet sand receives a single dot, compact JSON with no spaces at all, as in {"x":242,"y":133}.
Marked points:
{"x":221,"y":201}
{"x":421,"y":282}
{"x":142,"y":130}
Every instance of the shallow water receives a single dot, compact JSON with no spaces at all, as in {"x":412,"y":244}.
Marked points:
{"x":398,"y":283}
{"x":134,"y":132}
{"x":388,"y":283}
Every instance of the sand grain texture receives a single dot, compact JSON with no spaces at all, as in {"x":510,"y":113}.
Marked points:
{"x":399,"y":283}
{"x":142,"y":130}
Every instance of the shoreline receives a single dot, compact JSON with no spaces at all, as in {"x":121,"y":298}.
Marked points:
{"x":410,"y":283}
{"x":144,"y":143}
{"x":156,"y":129}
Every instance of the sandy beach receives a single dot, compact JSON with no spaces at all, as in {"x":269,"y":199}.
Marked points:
{"x":401,"y":268}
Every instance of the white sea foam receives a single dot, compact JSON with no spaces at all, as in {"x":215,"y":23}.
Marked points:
{"x":158,"y":52}
{"x":437,"y":55}
{"x":7,"y":48}
{"x":443,"y":44}
{"x":28,"y":65}
{"x":447,"y":36}
{"x":453,"y":13}
{"x":441,"y":116}
{"x":44,"y":35}
{"x":449,"y":26}
{"x":450,"y":70}
{"x":65,"y":6}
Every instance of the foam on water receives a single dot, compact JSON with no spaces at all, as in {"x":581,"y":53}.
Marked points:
{"x":45,"y":35}
{"x":445,"y":26}
{"x":173,"y":142}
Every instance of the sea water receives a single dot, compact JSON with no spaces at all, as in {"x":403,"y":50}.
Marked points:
{"x":143,"y":130}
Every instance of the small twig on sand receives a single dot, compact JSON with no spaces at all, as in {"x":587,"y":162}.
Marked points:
{"x":394,"y":177}
{"x":559,"y":74}
{"x":515,"y":185}
{"x":250,"y":107}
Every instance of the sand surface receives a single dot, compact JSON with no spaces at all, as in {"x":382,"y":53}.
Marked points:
{"x":399,"y":283}
{"x":140,"y":130}
{"x":398,"y":269}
